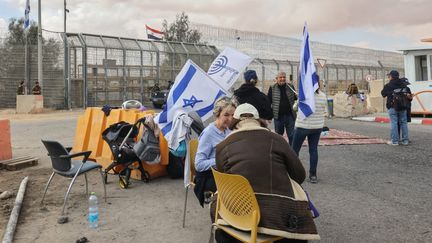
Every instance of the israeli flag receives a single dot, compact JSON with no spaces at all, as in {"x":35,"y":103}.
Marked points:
{"x":308,"y":79}
{"x":193,"y":90}
{"x":27,"y":15}
{"x":227,"y":66}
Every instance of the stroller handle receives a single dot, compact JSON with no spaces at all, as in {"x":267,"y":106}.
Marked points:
{"x":139,"y":121}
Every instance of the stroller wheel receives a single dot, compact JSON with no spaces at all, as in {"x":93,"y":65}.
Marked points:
{"x":145,"y":177}
{"x":123,"y":182}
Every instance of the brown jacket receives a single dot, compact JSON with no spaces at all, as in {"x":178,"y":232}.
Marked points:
{"x":275,"y":173}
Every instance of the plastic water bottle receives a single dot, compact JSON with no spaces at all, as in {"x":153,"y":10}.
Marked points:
{"x":93,"y":213}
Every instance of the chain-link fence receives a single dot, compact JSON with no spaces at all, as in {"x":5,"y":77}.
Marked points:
{"x":109,"y":70}
{"x":343,"y":64}
{"x":18,"y":62}
{"x":99,"y":69}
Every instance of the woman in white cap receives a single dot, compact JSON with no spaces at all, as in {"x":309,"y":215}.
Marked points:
{"x":274,"y":172}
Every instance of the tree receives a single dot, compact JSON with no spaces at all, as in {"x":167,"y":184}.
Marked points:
{"x":179,"y":30}
{"x":17,"y":34}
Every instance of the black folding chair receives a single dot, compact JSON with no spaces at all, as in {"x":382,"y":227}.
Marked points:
{"x":63,"y":165}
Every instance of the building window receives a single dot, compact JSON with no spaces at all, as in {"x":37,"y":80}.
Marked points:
{"x":421,"y":68}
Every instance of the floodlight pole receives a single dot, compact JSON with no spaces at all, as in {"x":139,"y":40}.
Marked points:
{"x":40,"y":57}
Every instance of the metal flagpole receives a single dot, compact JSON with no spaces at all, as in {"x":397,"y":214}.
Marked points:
{"x":40,"y":58}
{"x":26,"y":66}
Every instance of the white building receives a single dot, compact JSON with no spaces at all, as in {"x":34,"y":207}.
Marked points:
{"x":418,"y":70}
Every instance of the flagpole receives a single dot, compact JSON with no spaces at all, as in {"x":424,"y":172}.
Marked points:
{"x":40,"y":75}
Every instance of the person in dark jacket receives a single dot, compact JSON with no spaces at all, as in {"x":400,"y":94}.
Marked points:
{"x":282,"y":97}
{"x":248,"y":93}
{"x":396,"y":117}
{"x":37,"y":90}
{"x":275,"y":173}
{"x":21,"y":88}
{"x":406,"y":82}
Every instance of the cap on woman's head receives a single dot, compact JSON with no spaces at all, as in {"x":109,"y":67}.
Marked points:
{"x":244,"y":109}
{"x":249,"y":75}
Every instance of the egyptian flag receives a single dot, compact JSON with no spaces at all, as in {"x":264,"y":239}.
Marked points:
{"x":154,"y":34}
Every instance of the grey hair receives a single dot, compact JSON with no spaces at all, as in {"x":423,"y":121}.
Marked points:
{"x":221,"y":104}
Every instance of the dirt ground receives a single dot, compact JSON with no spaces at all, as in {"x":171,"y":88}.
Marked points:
{"x":146,"y":212}
{"x":366,"y":193}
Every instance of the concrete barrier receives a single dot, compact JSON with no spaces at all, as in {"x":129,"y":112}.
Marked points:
{"x":5,"y":140}
{"x":29,"y":104}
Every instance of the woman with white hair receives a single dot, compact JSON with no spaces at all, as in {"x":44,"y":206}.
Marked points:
{"x":214,"y":133}
{"x":275,"y":173}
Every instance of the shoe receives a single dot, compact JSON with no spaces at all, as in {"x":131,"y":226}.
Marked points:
{"x":391,"y":143}
{"x":313,"y":179}
{"x":405,"y":143}
{"x":208,"y":197}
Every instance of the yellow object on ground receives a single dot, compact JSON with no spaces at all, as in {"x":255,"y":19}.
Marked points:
{"x":88,"y":136}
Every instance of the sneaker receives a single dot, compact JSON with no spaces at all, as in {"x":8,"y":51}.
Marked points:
{"x":405,"y":143}
{"x":313,"y":179}
{"x":391,"y":143}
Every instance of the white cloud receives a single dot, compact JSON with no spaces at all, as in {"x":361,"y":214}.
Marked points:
{"x":410,"y":18}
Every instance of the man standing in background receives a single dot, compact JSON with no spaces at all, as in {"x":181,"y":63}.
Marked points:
{"x":282,"y":97}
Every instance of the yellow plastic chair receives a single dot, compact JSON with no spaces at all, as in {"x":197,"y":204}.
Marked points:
{"x":193,"y":146}
{"x":237,"y":211}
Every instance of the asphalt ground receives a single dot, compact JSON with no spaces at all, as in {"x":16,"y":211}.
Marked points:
{"x":365,"y":193}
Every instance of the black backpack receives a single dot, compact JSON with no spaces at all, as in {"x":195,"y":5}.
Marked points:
{"x":147,"y":148}
{"x":400,"y":100}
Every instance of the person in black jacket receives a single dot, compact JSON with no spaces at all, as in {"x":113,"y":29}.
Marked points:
{"x":396,"y":116}
{"x":248,"y":93}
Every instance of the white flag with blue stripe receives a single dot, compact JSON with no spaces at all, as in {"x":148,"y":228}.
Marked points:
{"x":27,"y":15}
{"x":308,"y":79}
{"x":193,"y":90}
{"x":227,"y":66}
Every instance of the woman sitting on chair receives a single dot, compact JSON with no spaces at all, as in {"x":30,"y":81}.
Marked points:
{"x":205,"y":158}
{"x":274,"y":171}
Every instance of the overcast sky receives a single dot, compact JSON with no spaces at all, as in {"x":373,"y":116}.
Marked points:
{"x":377,"y":24}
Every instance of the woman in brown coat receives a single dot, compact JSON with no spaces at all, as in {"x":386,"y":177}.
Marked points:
{"x":274,"y":172}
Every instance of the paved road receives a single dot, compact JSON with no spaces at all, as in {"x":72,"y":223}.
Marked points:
{"x":366,"y":193}
{"x":375,"y":193}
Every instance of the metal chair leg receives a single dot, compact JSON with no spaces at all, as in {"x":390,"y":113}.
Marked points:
{"x":185,"y":204}
{"x":46,"y":187}
{"x":85,"y":176}
{"x":103,"y":182}
{"x":69,"y":188}
{"x":211,"y":240}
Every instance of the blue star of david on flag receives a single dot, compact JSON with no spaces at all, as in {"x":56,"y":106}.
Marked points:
{"x":191,"y":102}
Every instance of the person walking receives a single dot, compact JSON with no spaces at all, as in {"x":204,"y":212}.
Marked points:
{"x":282,"y":97}
{"x":311,"y":128}
{"x":248,"y":93}
{"x":397,"y":111}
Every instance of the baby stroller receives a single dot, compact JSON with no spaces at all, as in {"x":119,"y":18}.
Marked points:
{"x":121,"y":140}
